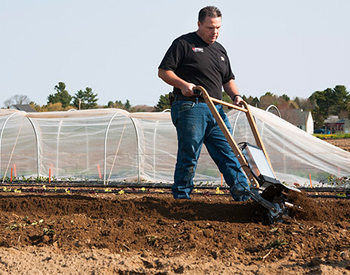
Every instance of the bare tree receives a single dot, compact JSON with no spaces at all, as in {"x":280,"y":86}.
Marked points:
{"x":16,"y":99}
{"x":8,"y":102}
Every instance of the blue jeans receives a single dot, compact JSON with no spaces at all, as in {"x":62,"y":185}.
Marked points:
{"x":196,"y":125}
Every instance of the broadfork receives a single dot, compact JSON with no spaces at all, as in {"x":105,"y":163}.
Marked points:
{"x":268,"y":193}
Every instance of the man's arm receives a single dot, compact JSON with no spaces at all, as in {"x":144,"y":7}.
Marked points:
{"x":231,"y":89}
{"x":172,"y":79}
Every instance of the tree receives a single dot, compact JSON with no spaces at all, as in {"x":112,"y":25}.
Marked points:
{"x":119,"y":104}
{"x":304,"y":104}
{"x":51,"y":107}
{"x":127,"y":105}
{"x":330,"y":102}
{"x":61,"y":95}
{"x":85,"y":99}
{"x":226,"y":97}
{"x":285,"y":97}
{"x":110,"y":104}
{"x":163,"y":103}
{"x":267,"y":100}
{"x":254,"y":101}
{"x":16,"y":99}
{"x":341,"y":100}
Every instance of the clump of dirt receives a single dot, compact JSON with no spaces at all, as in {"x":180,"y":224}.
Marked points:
{"x":315,"y":209}
{"x":306,"y":208}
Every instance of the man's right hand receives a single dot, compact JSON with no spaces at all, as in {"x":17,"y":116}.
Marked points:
{"x":187,"y":89}
{"x":172,"y":79}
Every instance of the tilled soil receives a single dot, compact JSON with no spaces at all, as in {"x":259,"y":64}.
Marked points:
{"x":116,"y":231}
{"x":343,"y":143}
{"x":151,"y":233}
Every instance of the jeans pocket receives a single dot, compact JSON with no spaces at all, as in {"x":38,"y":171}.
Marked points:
{"x":180,"y":110}
{"x":185,"y":106}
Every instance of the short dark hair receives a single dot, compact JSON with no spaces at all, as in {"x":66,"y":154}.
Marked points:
{"x":210,"y":11}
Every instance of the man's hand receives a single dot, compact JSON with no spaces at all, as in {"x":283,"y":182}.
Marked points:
{"x":172,"y":79}
{"x":232,"y":90}
{"x":237,"y":100}
{"x":187,"y":89}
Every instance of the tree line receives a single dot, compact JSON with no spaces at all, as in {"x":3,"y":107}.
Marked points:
{"x":322,"y":104}
{"x":62,"y":100}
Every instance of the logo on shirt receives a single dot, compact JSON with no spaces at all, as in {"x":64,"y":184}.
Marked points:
{"x":222,"y":58}
{"x":197,"y":50}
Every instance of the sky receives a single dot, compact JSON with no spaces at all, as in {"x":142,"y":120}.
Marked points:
{"x":115,"y":47}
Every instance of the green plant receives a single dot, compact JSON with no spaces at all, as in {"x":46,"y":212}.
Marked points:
{"x":47,"y":231}
{"x":152,"y":240}
{"x":12,"y":226}
{"x":333,"y":180}
{"x":277,"y":244}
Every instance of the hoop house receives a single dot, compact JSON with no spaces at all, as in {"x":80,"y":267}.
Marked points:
{"x":113,"y":145}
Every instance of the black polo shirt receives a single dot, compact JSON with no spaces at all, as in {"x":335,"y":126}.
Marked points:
{"x":197,"y":62}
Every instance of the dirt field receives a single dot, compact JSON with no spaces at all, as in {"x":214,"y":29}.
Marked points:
{"x":343,"y":143}
{"x":148,"y":232}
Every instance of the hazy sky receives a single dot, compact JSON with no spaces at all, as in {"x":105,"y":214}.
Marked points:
{"x":283,"y":47}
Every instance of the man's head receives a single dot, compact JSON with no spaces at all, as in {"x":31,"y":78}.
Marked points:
{"x":209,"y":24}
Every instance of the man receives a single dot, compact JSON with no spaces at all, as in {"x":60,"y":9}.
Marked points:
{"x":197,"y":59}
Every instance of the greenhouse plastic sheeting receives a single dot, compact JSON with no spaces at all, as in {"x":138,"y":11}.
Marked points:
{"x":113,"y":145}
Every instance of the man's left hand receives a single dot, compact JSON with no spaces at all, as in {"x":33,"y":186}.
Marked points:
{"x":237,"y":100}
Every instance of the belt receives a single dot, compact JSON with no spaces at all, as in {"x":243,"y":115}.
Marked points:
{"x":189,"y":98}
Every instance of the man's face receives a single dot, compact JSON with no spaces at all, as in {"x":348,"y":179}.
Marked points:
{"x":210,"y":29}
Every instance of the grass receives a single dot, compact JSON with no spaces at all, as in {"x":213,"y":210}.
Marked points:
{"x":332,"y":136}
